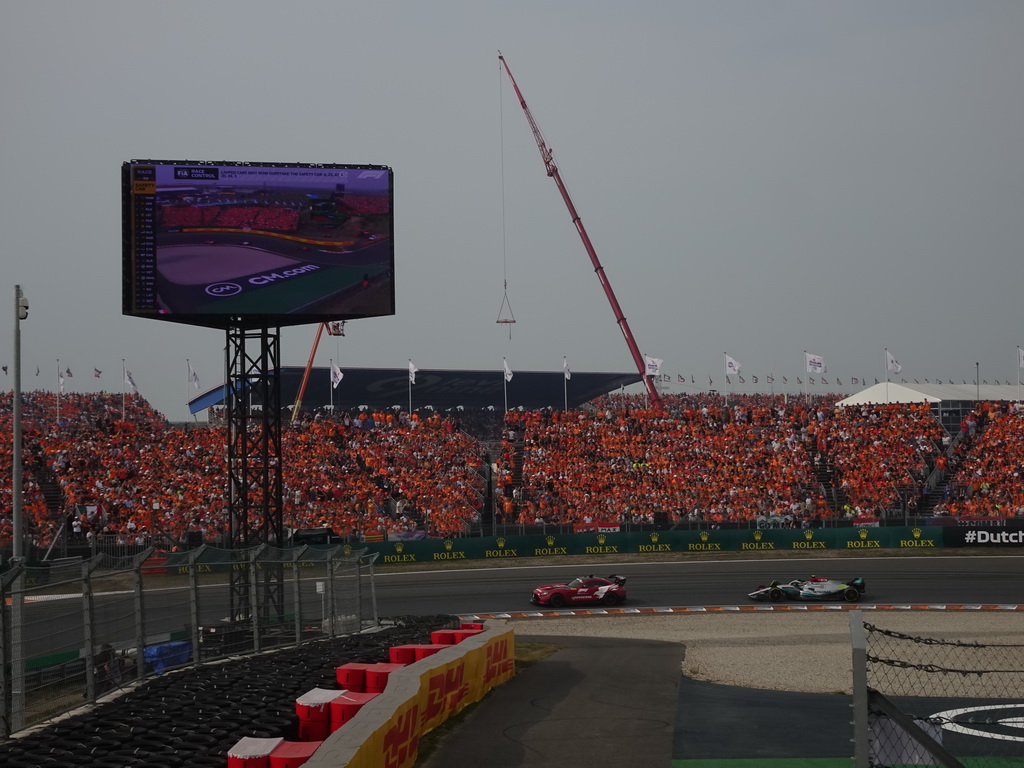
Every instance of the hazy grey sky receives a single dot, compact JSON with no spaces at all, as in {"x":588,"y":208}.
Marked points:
{"x":758,"y":178}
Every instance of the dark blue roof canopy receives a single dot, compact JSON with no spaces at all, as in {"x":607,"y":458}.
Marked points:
{"x":443,"y":389}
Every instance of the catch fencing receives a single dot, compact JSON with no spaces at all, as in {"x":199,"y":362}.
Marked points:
{"x":73,"y":631}
{"x":935,"y":701}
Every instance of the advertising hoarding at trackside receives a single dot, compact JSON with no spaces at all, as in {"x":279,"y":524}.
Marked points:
{"x":256,"y":245}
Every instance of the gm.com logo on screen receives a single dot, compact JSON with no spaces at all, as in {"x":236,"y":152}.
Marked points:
{"x":223,"y":289}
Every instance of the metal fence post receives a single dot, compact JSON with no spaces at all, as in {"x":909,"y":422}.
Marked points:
{"x":88,"y":629}
{"x":297,"y":592}
{"x":858,"y":642}
{"x":8,"y":675}
{"x":193,"y":599}
{"x":371,"y":559}
{"x":140,"y":617}
{"x":255,"y":603}
{"x":330,"y":597}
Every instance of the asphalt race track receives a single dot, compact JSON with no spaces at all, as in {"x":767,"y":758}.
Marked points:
{"x":660,"y":716}
{"x":955,"y":580}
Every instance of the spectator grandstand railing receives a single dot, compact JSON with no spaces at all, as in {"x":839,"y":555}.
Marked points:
{"x":935,"y":701}
{"x":114,"y":467}
{"x":76,"y":630}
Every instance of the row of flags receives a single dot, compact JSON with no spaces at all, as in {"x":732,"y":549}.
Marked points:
{"x":813,"y":364}
{"x":97,"y":373}
{"x":666,"y":378}
{"x":337,"y":374}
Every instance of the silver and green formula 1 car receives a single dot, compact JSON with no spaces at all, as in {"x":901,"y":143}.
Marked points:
{"x":816,"y":588}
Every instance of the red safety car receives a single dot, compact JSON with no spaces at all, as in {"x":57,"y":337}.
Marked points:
{"x":609,"y":590}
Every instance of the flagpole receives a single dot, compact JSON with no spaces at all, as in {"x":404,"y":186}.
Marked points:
{"x":886,"y":375}
{"x":565,"y":384}
{"x":806,"y":378}
{"x":188,"y":380}
{"x":124,"y":375}
{"x":410,"y":388}
{"x":59,"y":387}
{"x":1018,"y":373}
{"x":504,"y":381}
{"x":330,"y":384}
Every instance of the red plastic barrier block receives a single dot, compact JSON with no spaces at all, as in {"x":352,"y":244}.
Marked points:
{"x":344,"y":707}
{"x":422,"y":651}
{"x":314,"y":730}
{"x":377,"y":676}
{"x":313,"y":706}
{"x":462,"y":634}
{"x":251,"y":752}
{"x":292,"y":754}
{"x":443,"y":636}
{"x":352,"y":676}
{"x":402,"y":654}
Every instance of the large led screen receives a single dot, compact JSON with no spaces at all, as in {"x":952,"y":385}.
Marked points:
{"x":248,"y":245}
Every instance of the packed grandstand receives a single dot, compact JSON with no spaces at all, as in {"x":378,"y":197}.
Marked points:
{"x":107,"y":467}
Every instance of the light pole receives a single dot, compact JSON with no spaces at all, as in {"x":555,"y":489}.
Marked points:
{"x":17,"y":476}
{"x":17,"y":720}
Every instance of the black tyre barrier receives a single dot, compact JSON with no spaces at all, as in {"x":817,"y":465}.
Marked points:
{"x":209,"y":762}
{"x":192,"y":717}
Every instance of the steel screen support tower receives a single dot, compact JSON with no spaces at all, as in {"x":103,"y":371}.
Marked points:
{"x":253,"y":415}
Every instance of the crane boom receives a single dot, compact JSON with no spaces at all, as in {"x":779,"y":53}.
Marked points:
{"x":552,"y":171}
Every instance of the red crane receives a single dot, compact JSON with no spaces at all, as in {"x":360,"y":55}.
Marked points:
{"x":552,"y":171}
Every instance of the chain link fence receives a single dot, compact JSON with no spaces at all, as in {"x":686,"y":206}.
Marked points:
{"x":935,"y":701}
{"x":73,"y":631}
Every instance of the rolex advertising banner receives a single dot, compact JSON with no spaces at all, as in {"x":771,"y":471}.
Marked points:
{"x":597,"y":544}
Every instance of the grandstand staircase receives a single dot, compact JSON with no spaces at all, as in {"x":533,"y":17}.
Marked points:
{"x":46,"y":479}
{"x":835,"y":496}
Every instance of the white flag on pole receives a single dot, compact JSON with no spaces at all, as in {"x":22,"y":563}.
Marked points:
{"x":565,"y":368}
{"x":412,"y":372}
{"x":336,"y":376}
{"x":193,"y":376}
{"x":732,"y":365}
{"x":891,"y":364}
{"x":129,"y":380}
{"x":1020,"y":357}
{"x":815,"y":363}
{"x":508,"y":371}
{"x":653,"y":365}
{"x":60,"y":382}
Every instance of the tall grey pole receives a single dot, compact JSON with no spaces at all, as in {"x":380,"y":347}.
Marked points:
{"x":17,"y":655}
{"x":17,"y":476}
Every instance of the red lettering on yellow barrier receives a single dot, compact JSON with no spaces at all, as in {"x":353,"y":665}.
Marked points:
{"x":402,"y":740}
{"x":445,"y":691}
{"x":499,"y":661}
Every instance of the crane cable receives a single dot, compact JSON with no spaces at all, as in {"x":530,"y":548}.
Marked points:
{"x":505,"y":304}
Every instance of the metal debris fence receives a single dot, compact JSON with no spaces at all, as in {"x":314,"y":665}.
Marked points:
{"x":73,"y":631}
{"x":935,"y":701}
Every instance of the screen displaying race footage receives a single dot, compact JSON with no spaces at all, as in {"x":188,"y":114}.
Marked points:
{"x":246,"y":245}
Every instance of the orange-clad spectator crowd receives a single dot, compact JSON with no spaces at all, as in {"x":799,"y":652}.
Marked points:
{"x":702,"y":462}
{"x":882,"y":454}
{"x":990,"y":480}
{"x":121,"y":470}
{"x":109,"y":464}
